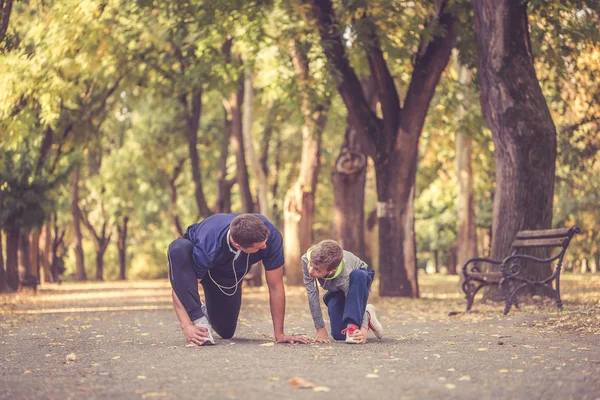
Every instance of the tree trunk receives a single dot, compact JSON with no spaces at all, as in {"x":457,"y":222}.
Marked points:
{"x":25,"y":266}
{"x":34,"y":254}
{"x":5,"y":18}
{"x":46,"y":254}
{"x":122,"y":247}
{"x":262,"y":186}
{"x":224,"y":185}
{"x":348,"y":177}
{"x":299,"y":202}
{"x":233,"y":105}
{"x":522,"y":128}
{"x":395,"y":137}
{"x":80,"y":273}
{"x":12,"y":257}
{"x":2,"y":270}
{"x":58,"y":266}
{"x":192,"y":116}
{"x":467,"y":224}
{"x":174,"y":217}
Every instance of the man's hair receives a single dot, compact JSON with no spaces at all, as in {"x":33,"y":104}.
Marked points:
{"x":248,"y":229}
{"x":327,"y":254}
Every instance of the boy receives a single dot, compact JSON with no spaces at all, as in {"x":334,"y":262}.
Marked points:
{"x":347,"y":280}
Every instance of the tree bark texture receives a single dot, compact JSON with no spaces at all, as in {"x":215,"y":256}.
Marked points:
{"x":176,"y":227}
{"x":46,"y":254}
{"x":394,"y":138}
{"x":348,"y":177}
{"x":299,"y":202}
{"x":80,"y":273}
{"x":224,"y":185}
{"x":2,"y":268}
{"x":34,"y":254}
{"x":233,"y":105}
{"x":193,"y":111}
{"x":522,"y":128}
{"x":262,"y":185}
{"x":6,"y":10}
{"x":12,"y":257}
{"x":467,"y":224}
{"x":122,"y":247}
{"x":25,"y":267}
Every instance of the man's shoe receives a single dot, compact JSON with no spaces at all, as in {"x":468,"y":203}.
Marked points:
{"x":203,"y":323}
{"x":374,"y":324}
{"x":349,"y":331}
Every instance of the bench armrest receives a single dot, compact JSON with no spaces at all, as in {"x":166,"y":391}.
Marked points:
{"x":476,"y":261}
{"x":511,"y":267}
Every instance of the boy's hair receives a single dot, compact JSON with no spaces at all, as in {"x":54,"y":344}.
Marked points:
{"x":327,"y":253}
{"x":248,"y":229}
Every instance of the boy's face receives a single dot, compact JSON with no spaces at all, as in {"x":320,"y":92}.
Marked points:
{"x":316,"y":271}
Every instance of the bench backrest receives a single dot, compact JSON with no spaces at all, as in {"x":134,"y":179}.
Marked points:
{"x":546,"y":238}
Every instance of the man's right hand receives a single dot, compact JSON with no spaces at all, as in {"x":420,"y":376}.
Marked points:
{"x":195,"y":334}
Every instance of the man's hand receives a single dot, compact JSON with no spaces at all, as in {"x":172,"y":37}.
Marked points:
{"x":291,"y":339}
{"x":360,"y":335}
{"x":322,"y":336}
{"x":195,"y":334}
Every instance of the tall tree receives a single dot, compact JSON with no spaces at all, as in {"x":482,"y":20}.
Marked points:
{"x":393,"y":138}
{"x":522,"y":128}
{"x":299,"y":203}
{"x":467,"y":227}
{"x":348,"y":177}
{"x":76,"y":213}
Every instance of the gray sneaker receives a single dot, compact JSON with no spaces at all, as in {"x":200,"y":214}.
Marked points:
{"x":203,"y":323}
{"x":374,"y":324}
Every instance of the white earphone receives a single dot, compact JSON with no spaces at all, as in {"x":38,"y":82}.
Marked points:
{"x":237,"y":282}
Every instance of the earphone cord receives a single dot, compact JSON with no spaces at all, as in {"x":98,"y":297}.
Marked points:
{"x":235,"y":287}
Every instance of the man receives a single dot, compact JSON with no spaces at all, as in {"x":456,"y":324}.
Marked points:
{"x":219,"y":251}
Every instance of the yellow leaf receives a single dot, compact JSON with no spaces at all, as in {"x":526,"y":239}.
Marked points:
{"x":321,"y":389}
{"x":371,"y":376}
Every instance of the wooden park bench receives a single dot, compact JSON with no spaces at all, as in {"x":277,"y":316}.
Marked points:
{"x":511,"y":278}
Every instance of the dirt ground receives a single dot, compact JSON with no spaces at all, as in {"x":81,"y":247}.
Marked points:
{"x":122,"y":341}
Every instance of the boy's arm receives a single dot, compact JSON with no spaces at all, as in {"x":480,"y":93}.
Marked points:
{"x":312,"y":291}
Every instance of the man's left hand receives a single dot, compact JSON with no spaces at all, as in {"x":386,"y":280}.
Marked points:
{"x":292,"y":339}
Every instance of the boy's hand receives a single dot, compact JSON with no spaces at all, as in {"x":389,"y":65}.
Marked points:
{"x":291,"y":339}
{"x":322,"y":336}
{"x":195,"y":334}
{"x":360,"y":335}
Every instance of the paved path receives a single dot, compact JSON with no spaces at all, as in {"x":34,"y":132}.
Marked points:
{"x":127,"y":345}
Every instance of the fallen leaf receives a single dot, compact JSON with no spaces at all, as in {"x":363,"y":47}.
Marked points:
{"x":116,"y":357}
{"x":71,"y":357}
{"x":451,"y":369}
{"x":274,"y":378}
{"x":27,"y":372}
{"x":482,"y":349}
{"x":371,"y":376}
{"x":503,"y":371}
{"x":321,"y":389}
{"x":141,"y":377}
{"x":450,"y":386}
{"x":267,"y":344}
{"x":301,"y":383}
{"x":464,"y":378}
{"x":155,"y":394}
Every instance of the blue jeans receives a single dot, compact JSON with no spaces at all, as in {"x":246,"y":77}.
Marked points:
{"x":343,"y":310}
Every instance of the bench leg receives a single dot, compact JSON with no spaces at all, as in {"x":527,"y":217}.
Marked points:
{"x":468,"y":288}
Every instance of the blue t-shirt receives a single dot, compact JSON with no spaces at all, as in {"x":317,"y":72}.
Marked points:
{"x":213,"y":252}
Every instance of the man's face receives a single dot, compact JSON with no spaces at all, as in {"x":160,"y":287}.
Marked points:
{"x":254,"y":248}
